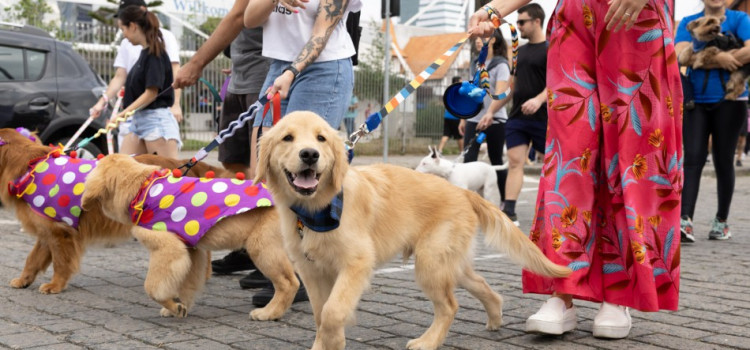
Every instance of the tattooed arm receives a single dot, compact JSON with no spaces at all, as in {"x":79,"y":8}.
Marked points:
{"x":328,"y":16}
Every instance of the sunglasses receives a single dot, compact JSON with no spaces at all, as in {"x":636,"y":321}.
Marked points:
{"x":521,"y":22}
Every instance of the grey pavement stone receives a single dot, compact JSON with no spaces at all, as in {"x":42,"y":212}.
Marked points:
{"x":671,"y":342}
{"x":728,"y":341}
{"x":61,"y":346}
{"x":96,"y":335}
{"x":28,"y":340}
{"x":198,"y":344}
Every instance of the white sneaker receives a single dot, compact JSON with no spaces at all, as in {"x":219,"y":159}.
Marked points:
{"x":552,"y":318}
{"x":612,"y":321}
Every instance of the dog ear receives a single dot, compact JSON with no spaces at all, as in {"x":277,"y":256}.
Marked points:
{"x":264,"y":158}
{"x":692,"y":25}
{"x":341,"y":162}
{"x":433,"y":152}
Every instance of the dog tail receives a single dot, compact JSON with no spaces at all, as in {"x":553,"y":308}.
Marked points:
{"x":500,"y":167}
{"x":500,"y":233}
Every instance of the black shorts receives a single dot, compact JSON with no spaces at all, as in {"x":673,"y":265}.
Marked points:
{"x":522,"y":132}
{"x":450,"y":128}
{"x":235,"y":149}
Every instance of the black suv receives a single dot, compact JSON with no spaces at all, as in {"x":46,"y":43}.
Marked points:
{"x":45,"y":86}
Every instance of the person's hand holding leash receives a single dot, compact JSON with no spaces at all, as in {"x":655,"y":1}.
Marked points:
{"x":485,"y":122}
{"x":188,"y":75}
{"x":281,"y":85}
{"x":623,"y":13}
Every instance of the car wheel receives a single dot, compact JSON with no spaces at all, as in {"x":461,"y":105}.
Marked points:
{"x":89,"y":151}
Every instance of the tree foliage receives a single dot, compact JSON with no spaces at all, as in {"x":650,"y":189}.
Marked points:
{"x":31,"y":12}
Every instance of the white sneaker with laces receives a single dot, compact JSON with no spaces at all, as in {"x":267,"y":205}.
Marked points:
{"x":612,"y":321}
{"x":552,"y":318}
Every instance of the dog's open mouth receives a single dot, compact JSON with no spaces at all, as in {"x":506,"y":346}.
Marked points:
{"x":304,"y":182}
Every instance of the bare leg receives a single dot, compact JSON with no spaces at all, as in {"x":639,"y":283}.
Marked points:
{"x":516,"y":158}
{"x":163,"y":147}
{"x":131,"y":144}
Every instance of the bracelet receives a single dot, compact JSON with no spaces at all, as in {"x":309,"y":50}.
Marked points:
{"x":493,"y":14}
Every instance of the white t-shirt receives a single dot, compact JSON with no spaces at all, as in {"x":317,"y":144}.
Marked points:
{"x":499,"y":72}
{"x":285,"y":33}
{"x":128,"y":53}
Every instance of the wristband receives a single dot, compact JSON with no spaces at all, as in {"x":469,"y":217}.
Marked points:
{"x":493,"y":14}
{"x":291,"y":68}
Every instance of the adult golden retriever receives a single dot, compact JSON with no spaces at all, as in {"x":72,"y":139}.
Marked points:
{"x":386,"y":210}
{"x":176,"y":273}
{"x":57,"y":243}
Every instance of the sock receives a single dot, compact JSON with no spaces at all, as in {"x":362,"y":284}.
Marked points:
{"x":510,"y":207}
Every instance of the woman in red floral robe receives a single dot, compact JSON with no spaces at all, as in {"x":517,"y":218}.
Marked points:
{"x":609,"y":197}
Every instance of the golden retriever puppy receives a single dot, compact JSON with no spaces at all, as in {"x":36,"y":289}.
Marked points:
{"x":58,"y":243}
{"x":384,"y":210}
{"x":176,"y":271}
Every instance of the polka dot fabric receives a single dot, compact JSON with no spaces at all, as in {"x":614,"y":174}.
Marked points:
{"x":189,"y":206}
{"x":55,"y":187}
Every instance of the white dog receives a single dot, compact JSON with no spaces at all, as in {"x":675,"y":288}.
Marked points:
{"x":474,"y":176}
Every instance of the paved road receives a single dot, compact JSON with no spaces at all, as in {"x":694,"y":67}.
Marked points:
{"x":105,"y":306}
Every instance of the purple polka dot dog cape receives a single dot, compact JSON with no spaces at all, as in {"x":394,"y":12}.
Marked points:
{"x":53,"y":185}
{"x":190,"y":206}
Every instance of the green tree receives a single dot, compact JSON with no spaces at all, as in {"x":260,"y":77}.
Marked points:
{"x":31,"y":12}
{"x":370,"y":74}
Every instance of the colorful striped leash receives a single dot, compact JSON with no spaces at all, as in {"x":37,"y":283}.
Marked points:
{"x":373,"y":121}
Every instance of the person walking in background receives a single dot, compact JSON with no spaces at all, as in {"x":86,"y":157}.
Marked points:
{"x":714,"y":117}
{"x":310,"y":52}
{"x":148,"y":88}
{"x":609,"y":196}
{"x":491,"y":119}
{"x":450,"y":127}
{"x":527,"y":122}
{"x":127,"y":56}
{"x":351,"y":115}
{"x":249,"y":69}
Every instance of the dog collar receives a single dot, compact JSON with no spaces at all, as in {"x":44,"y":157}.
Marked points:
{"x":699,"y":45}
{"x":324,"y":220}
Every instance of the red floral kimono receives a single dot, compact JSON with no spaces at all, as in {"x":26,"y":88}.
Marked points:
{"x":609,"y":198}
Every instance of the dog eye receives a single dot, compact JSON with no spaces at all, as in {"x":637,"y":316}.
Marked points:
{"x":321,"y":138}
{"x":288,"y":138}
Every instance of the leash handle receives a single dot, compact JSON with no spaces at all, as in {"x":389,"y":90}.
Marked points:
{"x":110,"y":138}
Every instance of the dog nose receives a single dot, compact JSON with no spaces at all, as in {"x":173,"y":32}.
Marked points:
{"x":309,"y":156}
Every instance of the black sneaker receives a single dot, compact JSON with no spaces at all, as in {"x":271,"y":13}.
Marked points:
{"x":237,"y":260}
{"x":263,"y":297}
{"x":254,"y":279}
{"x":738,"y":163}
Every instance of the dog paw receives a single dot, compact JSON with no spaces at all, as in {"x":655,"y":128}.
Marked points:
{"x":421,"y":344}
{"x":165,"y":312}
{"x":50,"y":288}
{"x":19,"y":283}
{"x":265,"y":315}
{"x":493,"y":325}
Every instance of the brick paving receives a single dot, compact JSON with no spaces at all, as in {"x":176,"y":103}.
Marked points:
{"x":105,"y":307}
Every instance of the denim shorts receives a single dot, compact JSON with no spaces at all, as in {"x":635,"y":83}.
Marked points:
{"x":324,"y":88}
{"x":153,"y":124}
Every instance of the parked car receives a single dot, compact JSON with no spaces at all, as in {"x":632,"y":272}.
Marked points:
{"x":45,"y":86}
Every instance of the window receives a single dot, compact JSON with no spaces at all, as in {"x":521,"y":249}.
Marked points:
{"x":18,"y":64}
{"x":11,"y":64}
{"x":35,"y":64}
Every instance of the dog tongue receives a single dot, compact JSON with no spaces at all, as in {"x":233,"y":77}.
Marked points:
{"x":306,"y":179}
